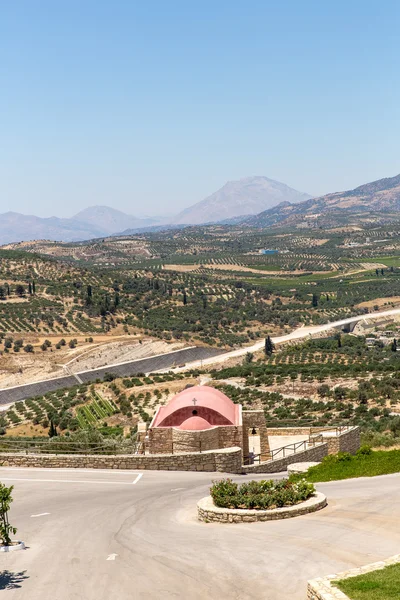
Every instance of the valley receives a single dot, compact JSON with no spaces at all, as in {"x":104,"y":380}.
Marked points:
{"x":69,"y":308}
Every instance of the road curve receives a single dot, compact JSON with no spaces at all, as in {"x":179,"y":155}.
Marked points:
{"x":96,"y":536}
{"x":193,"y":357}
{"x":297,"y":334}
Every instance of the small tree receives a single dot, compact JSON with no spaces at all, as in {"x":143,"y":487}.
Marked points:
{"x":314,"y":300}
{"x":53,"y":429}
{"x":249,"y":357}
{"x":269,"y":346}
{"x":5,"y":502}
{"x":394,"y":345}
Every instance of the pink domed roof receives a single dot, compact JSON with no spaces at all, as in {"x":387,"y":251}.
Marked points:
{"x":201,"y":400}
{"x":195,"y":424}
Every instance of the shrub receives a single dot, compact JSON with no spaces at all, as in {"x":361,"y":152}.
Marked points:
{"x":260,"y":495}
{"x":364,"y":451}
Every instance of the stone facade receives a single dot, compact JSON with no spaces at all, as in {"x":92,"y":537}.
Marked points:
{"x":314,"y":454}
{"x":322,"y":588}
{"x":255,"y":418}
{"x":222,"y":461}
{"x":347,"y":441}
{"x":162,"y":440}
{"x":208,"y":512}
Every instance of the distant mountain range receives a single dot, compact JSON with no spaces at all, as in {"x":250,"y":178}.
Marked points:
{"x":382,"y":196}
{"x":247,"y":196}
{"x":253,"y":201}
{"x":93,"y":222}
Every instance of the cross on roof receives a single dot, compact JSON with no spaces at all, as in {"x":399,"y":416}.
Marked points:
{"x":194,"y":401}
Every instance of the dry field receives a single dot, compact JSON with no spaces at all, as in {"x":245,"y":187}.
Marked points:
{"x":379,"y":302}
{"x":20,"y":368}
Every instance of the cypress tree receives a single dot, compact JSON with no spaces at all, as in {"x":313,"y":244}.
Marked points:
{"x":269,"y":346}
{"x":314,"y":300}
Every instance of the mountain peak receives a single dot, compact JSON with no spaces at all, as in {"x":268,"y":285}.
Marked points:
{"x":246,"y":196}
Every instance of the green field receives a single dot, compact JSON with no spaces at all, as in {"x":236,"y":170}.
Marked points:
{"x":345,"y":466}
{"x":383,"y":584}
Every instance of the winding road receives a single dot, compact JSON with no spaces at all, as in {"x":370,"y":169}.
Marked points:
{"x":96,"y":535}
{"x":192,"y":357}
{"x":296,"y":334}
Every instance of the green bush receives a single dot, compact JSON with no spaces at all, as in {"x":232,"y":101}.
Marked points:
{"x":260,"y":495}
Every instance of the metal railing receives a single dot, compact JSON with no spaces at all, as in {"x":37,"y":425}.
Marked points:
{"x":338,"y":429}
{"x":289,"y":449}
{"x":64,"y":447}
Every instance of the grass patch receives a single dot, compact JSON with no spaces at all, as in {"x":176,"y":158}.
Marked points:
{"x":377,"y":585}
{"x":366,"y":463}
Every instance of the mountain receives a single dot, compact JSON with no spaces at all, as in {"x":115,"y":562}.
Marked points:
{"x":93,"y":222}
{"x":15,"y":227}
{"x":247,"y":196}
{"x":109,"y":220}
{"x":381,"y":197}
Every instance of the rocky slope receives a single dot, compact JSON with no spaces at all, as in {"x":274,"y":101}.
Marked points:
{"x":382,"y":196}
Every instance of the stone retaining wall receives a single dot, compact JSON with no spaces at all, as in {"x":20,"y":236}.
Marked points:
{"x":222,"y":461}
{"x":208,"y":512}
{"x":322,"y":588}
{"x":314,"y":454}
{"x":348,"y":441}
{"x":168,"y":440}
{"x":275,"y":431}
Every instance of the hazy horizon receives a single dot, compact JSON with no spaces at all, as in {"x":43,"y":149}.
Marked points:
{"x":151,"y":108}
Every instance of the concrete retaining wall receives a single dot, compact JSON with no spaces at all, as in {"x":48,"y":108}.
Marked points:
{"x":222,"y":461}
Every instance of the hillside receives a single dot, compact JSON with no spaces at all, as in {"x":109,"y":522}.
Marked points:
{"x":247,"y":196}
{"x":381,"y":196}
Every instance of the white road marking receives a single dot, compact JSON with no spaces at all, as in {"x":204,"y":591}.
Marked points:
{"x":137,"y":478}
{"x":40,"y":515}
{"x":36,"y":469}
{"x":177,"y":489}
{"x":68,"y":480}
{"x":111,"y":556}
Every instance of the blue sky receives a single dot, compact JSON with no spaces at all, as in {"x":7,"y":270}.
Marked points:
{"x":151,"y":106}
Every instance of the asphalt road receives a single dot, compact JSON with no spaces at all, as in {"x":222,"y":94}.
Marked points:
{"x":297,"y":334}
{"x":96,"y":535}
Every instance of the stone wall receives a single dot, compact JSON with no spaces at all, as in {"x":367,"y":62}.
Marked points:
{"x":347,"y":441}
{"x":314,"y":454}
{"x":274,"y":431}
{"x":159,"y":441}
{"x":322,"y":588}
{"x":195,"y":441}
{"x":209,"y":513}
{"x":223,"y":461}
{"x":255,"y":418}
{"x":230,"y":436}
{"x":170,"y":440}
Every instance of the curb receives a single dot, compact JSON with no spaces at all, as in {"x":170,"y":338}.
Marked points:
{"x":16,"y":546}
{"x":208,"y":512}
